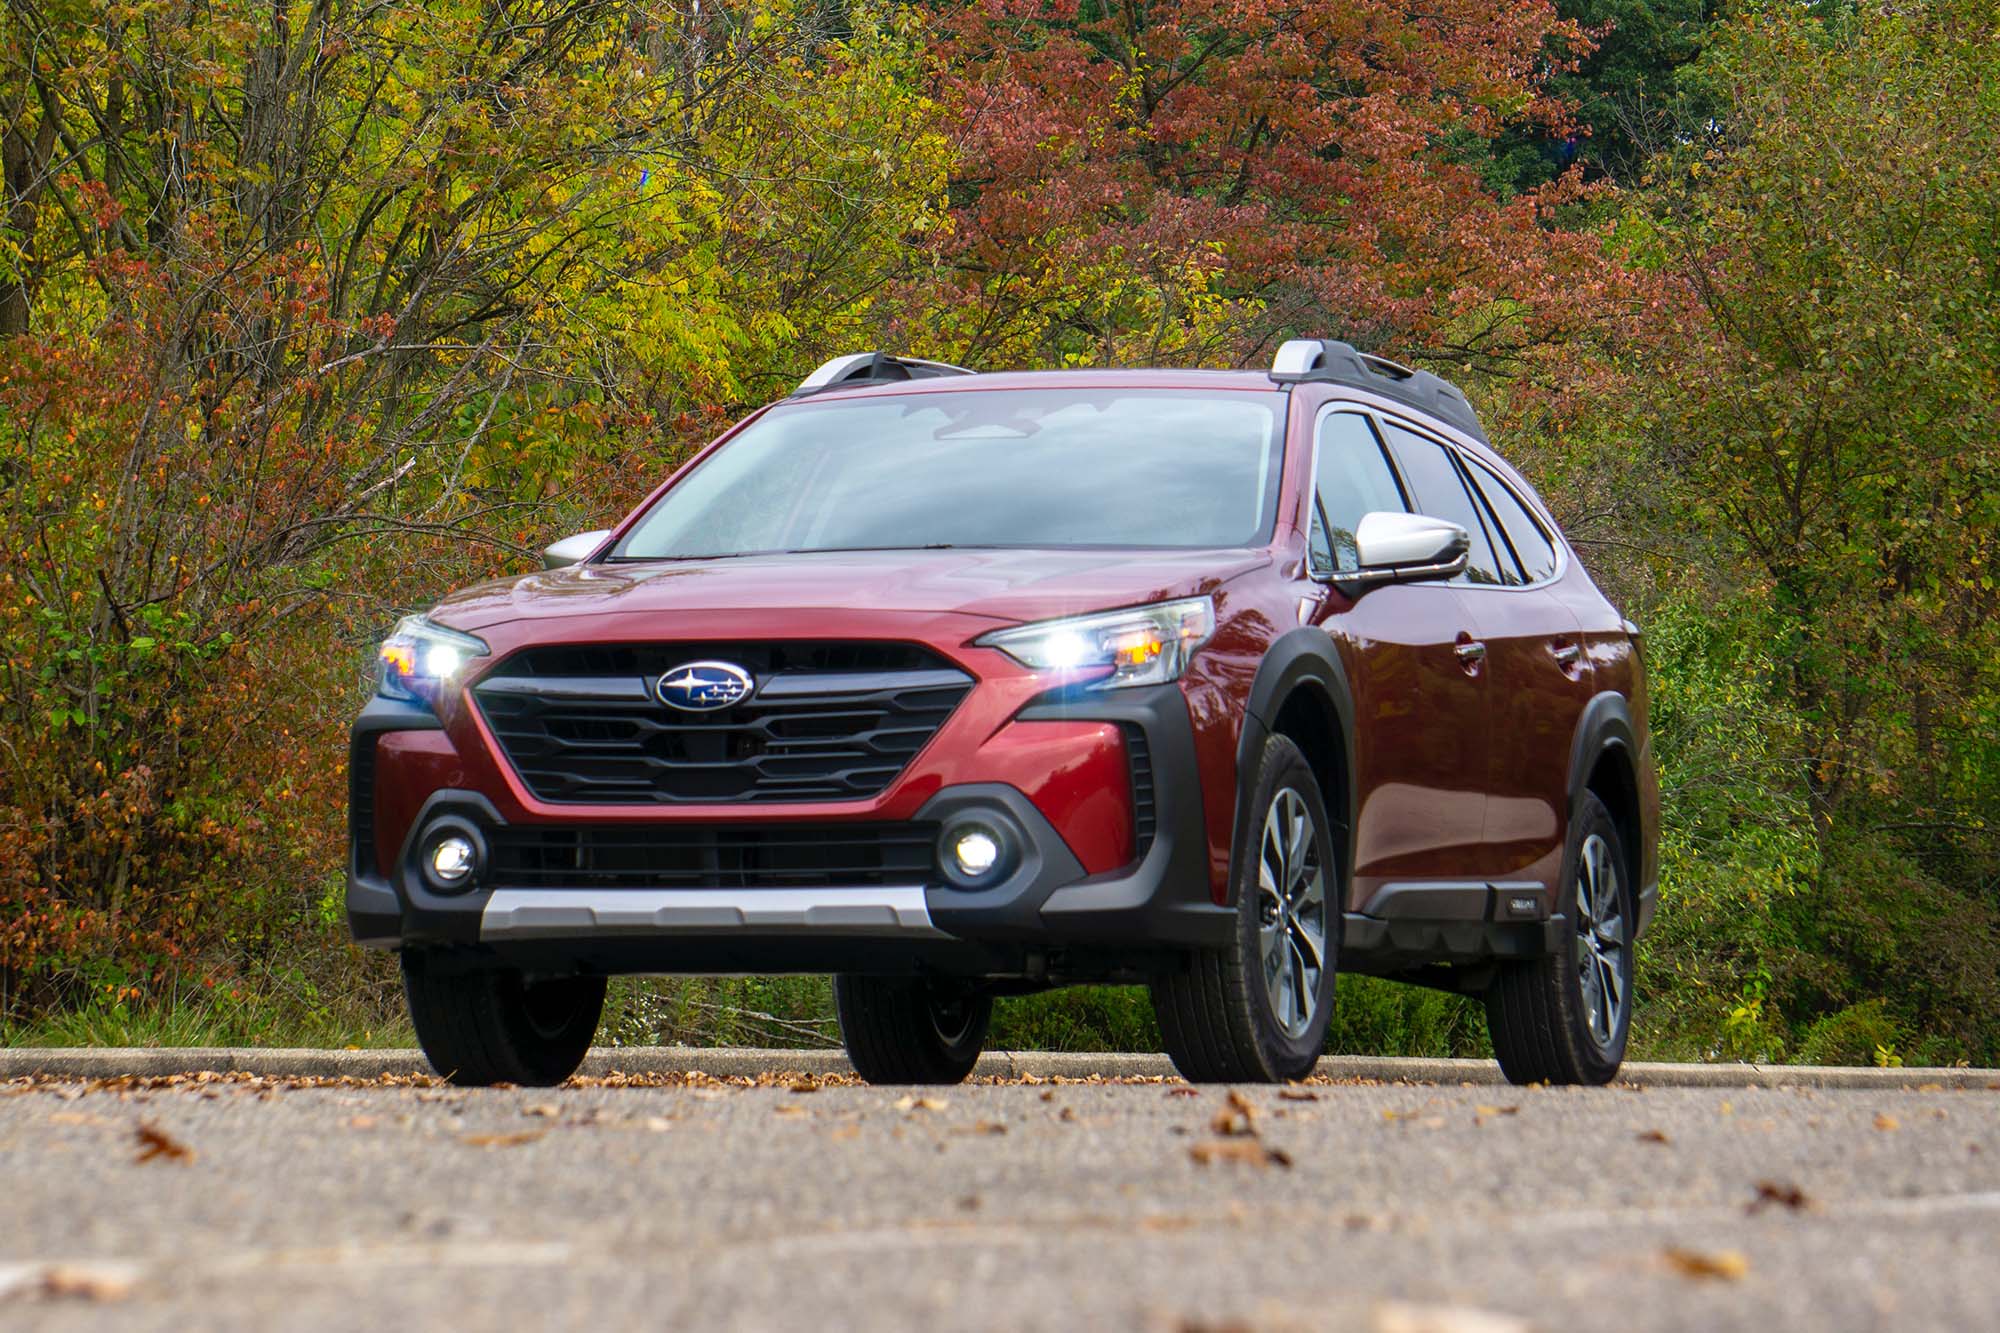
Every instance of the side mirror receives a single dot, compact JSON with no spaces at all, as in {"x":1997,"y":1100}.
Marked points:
{"x":571,"y":550}
{"x":1408,"y":548}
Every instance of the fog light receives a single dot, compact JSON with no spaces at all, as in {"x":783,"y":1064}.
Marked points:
{"x":976,"y":852}
{"x":451,"y":861}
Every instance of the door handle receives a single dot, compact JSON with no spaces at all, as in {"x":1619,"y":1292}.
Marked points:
{"x":1567,"y":655}
{"x":1471,"y":651}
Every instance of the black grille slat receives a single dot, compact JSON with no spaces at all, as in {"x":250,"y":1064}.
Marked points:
{"x":712,"y":857}
{"x":361,"y":802}
{"x":1145,"y":814}
{"x":827,"y":721}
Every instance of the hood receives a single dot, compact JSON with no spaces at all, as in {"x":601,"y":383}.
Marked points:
{"x":1001,"y":585}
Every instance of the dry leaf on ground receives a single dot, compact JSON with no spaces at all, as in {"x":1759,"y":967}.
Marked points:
{"x":1772,"y":1194}
{"x":921,"y":1103}
{"x":1247,"y":1151}
{"x":1297,"y":1095}
{"x":1654,"y":1136}
{"x":156,"y":1142}
{"x":514,"y":1140}
{"x":547,"y":1109}
{"x":81,"y":1282}
{"x":1883,"y":1120}
{"x":1727,"y":1265}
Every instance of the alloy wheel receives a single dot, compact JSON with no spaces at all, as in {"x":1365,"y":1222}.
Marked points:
{"x":1291,"y":931}
{"x":1600,"y":941}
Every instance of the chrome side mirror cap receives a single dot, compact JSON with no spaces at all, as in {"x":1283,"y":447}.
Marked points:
{"x":572,"y":550}
{"x":1408,"y":548}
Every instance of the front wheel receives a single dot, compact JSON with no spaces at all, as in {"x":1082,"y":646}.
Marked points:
{"x":900,"y":1030}
{"x":1565,"y":1018}
{"x":493,"y":1025}
{"x":1257,"y":1011}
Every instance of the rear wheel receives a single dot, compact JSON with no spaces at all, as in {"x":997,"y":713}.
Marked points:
{"x":1258,"y":1010}
{"x":904,"y":1030}
{"x":1565,"y":1018}
{"x":495,"y":1026}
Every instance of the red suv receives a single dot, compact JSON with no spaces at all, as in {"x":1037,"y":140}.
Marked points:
{"x":962,"y":685}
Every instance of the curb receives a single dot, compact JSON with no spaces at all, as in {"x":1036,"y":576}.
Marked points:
{"x":741,"y":1061}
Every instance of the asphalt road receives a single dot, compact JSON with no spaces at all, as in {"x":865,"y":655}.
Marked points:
{"x":1389,"y":1208}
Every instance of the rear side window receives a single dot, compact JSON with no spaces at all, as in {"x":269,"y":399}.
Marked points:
{"x":1440,"y":492}
{"x":1532,"y":545}
{"x":1354,"y":479}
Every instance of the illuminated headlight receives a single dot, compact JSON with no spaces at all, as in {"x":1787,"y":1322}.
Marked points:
{"x":421,"y":659}
{"x":1145,"y":645}
{"x":452,"y":860}
{"x":977,"y":851}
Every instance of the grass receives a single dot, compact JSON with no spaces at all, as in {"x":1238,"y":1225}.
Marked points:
{"x":278,"y":1009}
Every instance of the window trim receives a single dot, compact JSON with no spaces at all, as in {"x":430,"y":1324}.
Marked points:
{"x":1550,"y":534}
{"x":1465,"y":458}
{"x":1316,"y":514}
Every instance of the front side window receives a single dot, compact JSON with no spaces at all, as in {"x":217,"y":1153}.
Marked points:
{"x":1440,"y":492}
{"x":1354,"y":478}
{"x":981,"y":468}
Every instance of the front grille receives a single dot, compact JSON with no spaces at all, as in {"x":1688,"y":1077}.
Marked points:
{"x":1145,"y":817}
{"x":826,"y":722}
{"x":361,"y":802}
{"x":712,"y":856}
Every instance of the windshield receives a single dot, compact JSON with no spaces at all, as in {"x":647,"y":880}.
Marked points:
{"x":1033,"y":467}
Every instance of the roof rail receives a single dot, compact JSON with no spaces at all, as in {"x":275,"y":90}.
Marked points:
{"x":860,"y":368}
{"x":1327,"y":361}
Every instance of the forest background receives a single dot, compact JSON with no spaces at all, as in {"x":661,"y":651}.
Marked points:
{"x":312,"y":311}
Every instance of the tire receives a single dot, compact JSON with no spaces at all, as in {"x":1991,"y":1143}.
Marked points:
{"x":492,"y":1025}
{"x":900,"y":1030}
{"x":1565,"y":1018}
{"x":1257,"y":1011}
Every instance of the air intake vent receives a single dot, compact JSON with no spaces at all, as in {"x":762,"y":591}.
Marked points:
{"x":1145,"y":816}
{"x":711,"y":856}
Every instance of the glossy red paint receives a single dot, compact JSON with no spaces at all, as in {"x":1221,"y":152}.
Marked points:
{"x":1074,"y":772}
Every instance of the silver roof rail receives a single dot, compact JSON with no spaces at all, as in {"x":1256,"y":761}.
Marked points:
{"x":1331,"y":362}
{"x":859,"y":368}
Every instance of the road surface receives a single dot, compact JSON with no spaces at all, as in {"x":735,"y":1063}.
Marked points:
{"x":233,"y":1201}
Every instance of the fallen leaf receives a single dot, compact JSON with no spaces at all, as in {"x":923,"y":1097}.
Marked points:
{"x":988,"y":1127}
{"x":789,"y":1109}
{"x":804,"y":1084}
{"x":1295,"y":1094}
{"x":1050,"y":1095}
{"x":1067,"y":1113}
{"x":1231,"y":1124}
{"x":921,"y":1103}
{"x":1727,"y":1265}
{"x":1883,"y":1120}
{"x":1770,"y":1193}
{"x":546,"y":1109}
{"x":514,"y":1140}
{"x":659,"y":1124}
{"x":1496,"y":1110}
{"x":1248,"y":1151}
{"x":845,"y":1132}
{"x":1654,"y":1136}
{"x":1396,"y":1317}
{"x":156,"y":1142}
{"x":79,"y":1282}
{"x":1183,"y":1092}
{"x":361,"y":1122}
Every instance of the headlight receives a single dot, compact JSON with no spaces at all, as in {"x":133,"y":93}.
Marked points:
{"x":1143,"y":645}
{"x":421,"y":659}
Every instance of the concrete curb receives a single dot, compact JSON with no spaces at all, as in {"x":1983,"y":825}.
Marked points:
{"x":738,"y":1061}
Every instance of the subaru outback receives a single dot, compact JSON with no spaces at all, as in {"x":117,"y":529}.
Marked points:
{"x":960,"y":686}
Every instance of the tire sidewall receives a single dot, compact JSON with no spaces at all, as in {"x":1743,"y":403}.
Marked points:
{"x":1283,"y":765}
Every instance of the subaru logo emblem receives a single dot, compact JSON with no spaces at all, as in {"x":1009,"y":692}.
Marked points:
{"x":701,"y":686}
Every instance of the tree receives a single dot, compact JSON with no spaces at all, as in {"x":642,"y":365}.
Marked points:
{"x":1197,"y":180}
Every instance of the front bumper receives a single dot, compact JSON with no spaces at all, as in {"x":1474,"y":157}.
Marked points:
{"x":1048,"y":915}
